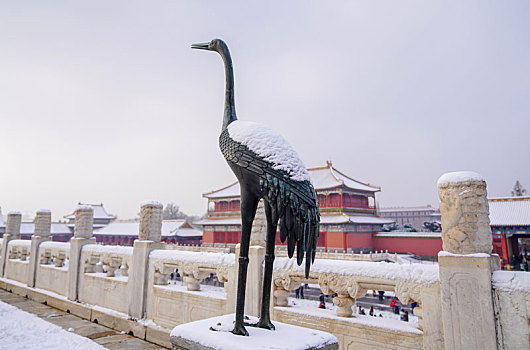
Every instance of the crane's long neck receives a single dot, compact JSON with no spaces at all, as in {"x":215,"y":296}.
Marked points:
{"x":230,"y":106}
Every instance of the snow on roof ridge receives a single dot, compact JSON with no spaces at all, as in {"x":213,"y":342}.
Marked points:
{"x":14,"y":212}
{"x":335,"y":176}
{"x":459,"y":176}
{"x":44,"y":211}
{"x":219,"y":190}
{"x":346,"y":176}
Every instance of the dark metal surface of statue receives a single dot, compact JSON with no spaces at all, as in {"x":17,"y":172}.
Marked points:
{"x":266,"y":167}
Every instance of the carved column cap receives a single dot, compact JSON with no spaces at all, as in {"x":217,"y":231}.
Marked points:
{"x":84,"y":221}
{"x":465,"y":213}
{"x":14,"y":219}
{"x":43,"y":223}
{"x":150,"y":221}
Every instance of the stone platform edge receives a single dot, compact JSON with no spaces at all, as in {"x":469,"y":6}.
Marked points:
{"x":155,"y":335}
{"x":180,"y":343}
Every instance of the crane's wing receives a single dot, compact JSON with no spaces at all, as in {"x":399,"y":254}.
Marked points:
{"x":293,"y":202}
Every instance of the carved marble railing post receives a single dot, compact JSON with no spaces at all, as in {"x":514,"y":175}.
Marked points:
{"x":149,"y":236}
{"x":12,"y":232}
{"x":83,"y":232}
{"x":42,"y":231}
{"x":466,"y":264}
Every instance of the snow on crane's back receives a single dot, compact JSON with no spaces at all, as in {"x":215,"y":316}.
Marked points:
{"x":271,"y":146}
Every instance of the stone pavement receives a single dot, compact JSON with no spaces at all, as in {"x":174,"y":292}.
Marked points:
{"x":102,"y":335}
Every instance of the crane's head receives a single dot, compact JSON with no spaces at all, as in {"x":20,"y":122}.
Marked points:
{"x":214,"y":45}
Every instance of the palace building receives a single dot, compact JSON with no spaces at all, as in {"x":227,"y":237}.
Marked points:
{"x":510,"y":225}
{"x":347,"y":208}
{"x":101,"y":217}
{"x":125,"y":232}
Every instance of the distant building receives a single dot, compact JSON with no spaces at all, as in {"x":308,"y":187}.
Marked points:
{"x":510,"y":228}
{"x":125,"y":232}
{"x":347,"y":207}
{"x":414,"y":216}
{"x":101,"y":217}
{"x":59,"y":231}
{"x":510,"y":225}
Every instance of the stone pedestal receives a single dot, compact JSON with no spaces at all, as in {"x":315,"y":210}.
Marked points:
{"x":467,"y":304}
{"x":199,"y":335}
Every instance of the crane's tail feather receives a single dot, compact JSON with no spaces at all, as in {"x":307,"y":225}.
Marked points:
{"x":295,"y":205}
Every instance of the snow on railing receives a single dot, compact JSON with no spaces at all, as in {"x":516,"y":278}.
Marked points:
{"x":193,"y":266}
{"x":108,"y":259}
{"x":339,"y":254}
{"x":511,"y":281}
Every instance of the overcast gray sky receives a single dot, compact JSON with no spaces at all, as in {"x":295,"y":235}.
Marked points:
{"x":104,"y":101}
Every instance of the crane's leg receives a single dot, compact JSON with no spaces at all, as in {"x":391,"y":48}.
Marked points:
{"x":265,"y":320}
{"x":249,"y":203}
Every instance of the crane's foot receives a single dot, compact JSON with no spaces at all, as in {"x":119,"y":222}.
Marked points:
{"x":240,"y":330}
{"x":266,"y":324}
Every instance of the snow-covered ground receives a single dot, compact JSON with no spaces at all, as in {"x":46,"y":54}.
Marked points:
{"x":20,"y":330}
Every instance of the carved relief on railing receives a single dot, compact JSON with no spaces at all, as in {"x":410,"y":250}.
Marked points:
{"x":113,"y":261}
{"x":347,"y":288}
{"x":284,"y":284}
{"x":192,"y":266}
{"x":223,"y":272}
{"x":192,"y":273}
{"x":408,"y":292}
{"x":54,"y":253}
{"x":91,"y":264}
{"x":354,"y":280}
{"x":19,"y":249}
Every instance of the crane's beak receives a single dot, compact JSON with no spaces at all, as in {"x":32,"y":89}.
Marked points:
{"x":202,"y":46}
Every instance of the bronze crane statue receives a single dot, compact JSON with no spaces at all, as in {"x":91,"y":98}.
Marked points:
{"x":267,"y":167}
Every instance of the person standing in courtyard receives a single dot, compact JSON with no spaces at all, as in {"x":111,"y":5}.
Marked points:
{"x":393,"y":304}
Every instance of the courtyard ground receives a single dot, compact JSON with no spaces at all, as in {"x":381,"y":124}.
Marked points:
{"x":26,"y":324}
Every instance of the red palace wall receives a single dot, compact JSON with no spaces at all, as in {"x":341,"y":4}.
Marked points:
{"x":207,"y":237}
{"x":359,"y":240}
{"x":418,"y":246}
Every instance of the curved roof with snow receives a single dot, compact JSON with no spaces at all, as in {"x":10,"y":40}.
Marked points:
{"x":323,"y":178}
{"x":170,"y":228}
{"x":509,"y":211}
{"x":324,"y":219}
{"x":57,"y":228}
{"x":99,"y":212}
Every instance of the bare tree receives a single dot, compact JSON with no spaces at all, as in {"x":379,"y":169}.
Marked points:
{"x":172,"y":212}
{"x":518,"y":190}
